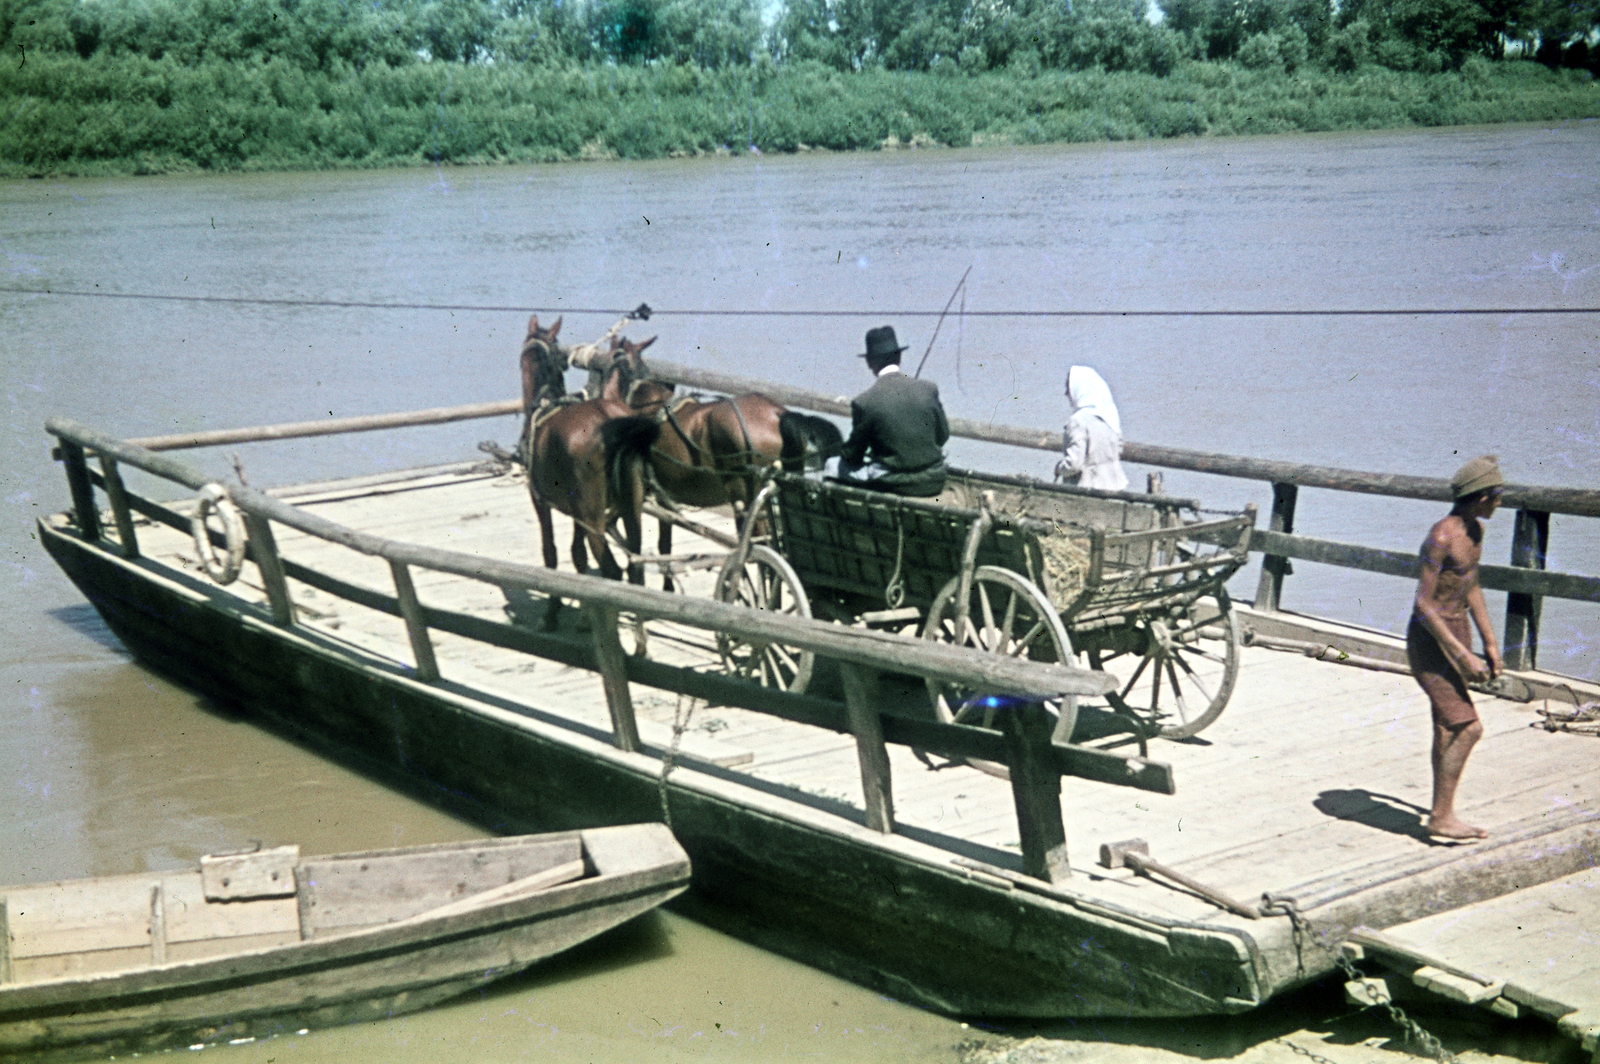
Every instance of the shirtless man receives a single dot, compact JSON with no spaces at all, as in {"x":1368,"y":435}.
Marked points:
{"x":1439,"y":643}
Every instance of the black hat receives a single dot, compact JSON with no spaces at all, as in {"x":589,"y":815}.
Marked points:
{"x":881,"y":342}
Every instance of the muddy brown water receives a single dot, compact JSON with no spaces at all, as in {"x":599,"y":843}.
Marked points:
{"x":110,"y":768}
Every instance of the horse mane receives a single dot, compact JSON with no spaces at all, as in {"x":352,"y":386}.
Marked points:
{"x":805,"y":436}
{"x":628,"y":371}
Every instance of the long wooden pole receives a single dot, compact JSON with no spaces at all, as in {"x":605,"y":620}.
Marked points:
{"x":333,"y":426}
{"x":1580,"y":501}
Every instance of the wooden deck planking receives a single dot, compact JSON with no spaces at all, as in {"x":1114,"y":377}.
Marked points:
{"x":1246,"y":818}
{"x":1542,"y":939}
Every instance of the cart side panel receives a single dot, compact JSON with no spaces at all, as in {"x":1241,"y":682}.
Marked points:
{"x":846,"y":539}
{"x":1067,"y":506}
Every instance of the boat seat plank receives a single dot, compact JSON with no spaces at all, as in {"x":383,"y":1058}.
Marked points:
{"x":62,"y":918}
{"x":191,"y":918}
{"x":344,"y":893}
{"x":517,"y":888}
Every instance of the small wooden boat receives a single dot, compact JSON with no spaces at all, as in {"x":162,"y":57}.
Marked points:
{"x":249,"y":944}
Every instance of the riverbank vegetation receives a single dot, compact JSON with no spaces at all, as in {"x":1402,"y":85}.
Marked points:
{"x":119,"y":86}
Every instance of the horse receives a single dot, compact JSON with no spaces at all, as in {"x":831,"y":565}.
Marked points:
{"x":543,"y":373}
{"x":712,"y":452}
{"x":583,"y":459}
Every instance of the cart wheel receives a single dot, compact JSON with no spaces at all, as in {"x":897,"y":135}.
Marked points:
{"x":1006,"y":614}
{"x":764,"y":582}
{"x":1176,"y":671}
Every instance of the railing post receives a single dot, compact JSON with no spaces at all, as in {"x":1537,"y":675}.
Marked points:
{"x":612,"y":662}
{"x":264,"y":552}
{"x":860,"y":688}
{"x":82,"y":490}
{"x":1530,"y":539}
{"x":119,"y":506}
{"x":1036,"y":789}
{"x":416,"y":628}
{"x":1274,"y":567}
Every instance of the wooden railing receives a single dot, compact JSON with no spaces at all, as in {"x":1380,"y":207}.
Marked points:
{"x":1025,"y":742}
{"x":1525,"y":580}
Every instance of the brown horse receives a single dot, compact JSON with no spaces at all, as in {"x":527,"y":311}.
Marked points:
{"x":584,"y":459}
{"x":543,"y":373}
{"x":713,"y":452}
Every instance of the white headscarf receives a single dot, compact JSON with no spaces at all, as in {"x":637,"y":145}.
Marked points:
{"x":1087,"y":391}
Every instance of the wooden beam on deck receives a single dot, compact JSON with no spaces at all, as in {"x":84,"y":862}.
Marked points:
{"x":1036,"y":790}
{"x":612,"y":663}
{"x":1530,"y":540}
{"x":861,"y":697}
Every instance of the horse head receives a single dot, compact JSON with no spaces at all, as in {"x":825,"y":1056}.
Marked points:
{"x":544,"y":364}
{"x":629,"y":382}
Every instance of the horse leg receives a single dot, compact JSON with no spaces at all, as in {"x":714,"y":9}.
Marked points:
{"x":609,"y":568}
{"x":547,"y":538}
{"x":664,"y":548}
{"x":633,"y":536}
{"x":580,"y":553}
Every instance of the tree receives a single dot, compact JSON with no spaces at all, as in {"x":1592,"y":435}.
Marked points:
{"x":1223,"y":26}
{"x":1430,"y":34}
{"x":708,"y":33}
{"x":456,"y":30}
{"x":1555,"y":21}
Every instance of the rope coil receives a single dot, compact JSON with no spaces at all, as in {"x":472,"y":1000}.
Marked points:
{"x":224,"y":568}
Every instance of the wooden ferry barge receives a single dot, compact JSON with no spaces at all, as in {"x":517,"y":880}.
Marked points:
{"x":391,"y":621}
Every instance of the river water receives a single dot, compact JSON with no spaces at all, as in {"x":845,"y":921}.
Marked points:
{"x":107,"y":768}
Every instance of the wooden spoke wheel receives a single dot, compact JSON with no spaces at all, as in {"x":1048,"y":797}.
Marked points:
{"x":1176,"y":671}
{"x":1006,"y":614}
{"x":764,"y":582}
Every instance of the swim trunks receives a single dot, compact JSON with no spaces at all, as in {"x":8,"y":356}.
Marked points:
{"x":1446,"y":690}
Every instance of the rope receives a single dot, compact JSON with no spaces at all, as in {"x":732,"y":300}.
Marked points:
{"x":1582,"y":719}
{"x":895,"y":593}
{"x":507,"y":309}
{"x":681,"y":717}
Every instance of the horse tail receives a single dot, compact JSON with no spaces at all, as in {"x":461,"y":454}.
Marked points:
{"x":626,"y":440}
{"x":807,"y":436}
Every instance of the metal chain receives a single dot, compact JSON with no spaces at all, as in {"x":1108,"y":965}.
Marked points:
{"x":1276,"y":905}
{"x":682,"y":714}
{"x":1315,"y":1058}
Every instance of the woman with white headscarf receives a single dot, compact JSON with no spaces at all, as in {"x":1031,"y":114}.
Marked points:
{"x":1093,"y":437}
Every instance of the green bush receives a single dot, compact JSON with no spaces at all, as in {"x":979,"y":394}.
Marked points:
{"x":1261,"y":52}
{"x":129,"y":113}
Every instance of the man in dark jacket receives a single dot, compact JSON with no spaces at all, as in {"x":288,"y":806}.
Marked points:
{"x":898,"y":427}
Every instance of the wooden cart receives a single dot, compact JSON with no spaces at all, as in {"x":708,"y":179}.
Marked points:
{"x":1134,"y":584}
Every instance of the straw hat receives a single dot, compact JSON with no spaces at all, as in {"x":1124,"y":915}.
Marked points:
{"x":1482,"y":472}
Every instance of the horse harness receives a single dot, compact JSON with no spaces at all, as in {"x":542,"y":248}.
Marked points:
{"x":698,"y":454}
